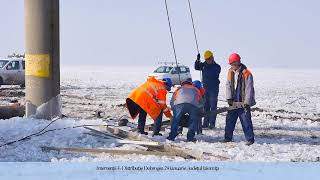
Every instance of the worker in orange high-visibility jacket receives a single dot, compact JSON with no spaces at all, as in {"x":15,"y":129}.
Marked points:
{"x":150,"y":98}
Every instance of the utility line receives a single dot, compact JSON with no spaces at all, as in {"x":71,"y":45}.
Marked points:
{"x":172,"y":41}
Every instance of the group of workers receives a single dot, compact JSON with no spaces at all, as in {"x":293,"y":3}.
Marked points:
{"x":196,"y":101}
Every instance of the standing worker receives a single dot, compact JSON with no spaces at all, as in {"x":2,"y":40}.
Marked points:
{"x":185,"y":100}
{"x":150,"y":98}
{"x":239,"y":90}
{"x":210,"y":72}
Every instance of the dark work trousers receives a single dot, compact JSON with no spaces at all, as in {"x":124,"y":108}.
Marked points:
{"x":246,"y":122}
{"x":142,"y":121}
{"x":210,"y":104}
{"x":180,"y":110}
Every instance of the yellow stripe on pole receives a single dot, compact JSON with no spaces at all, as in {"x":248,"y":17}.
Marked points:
{"x":38,"y":65}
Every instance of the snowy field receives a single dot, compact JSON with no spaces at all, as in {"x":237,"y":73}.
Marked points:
{"x":286,"y":119}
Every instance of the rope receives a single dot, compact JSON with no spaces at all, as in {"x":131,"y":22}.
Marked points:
{"x":194,"y":33}
{"x":172,"y":41}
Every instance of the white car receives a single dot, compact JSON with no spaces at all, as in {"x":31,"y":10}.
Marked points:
{"x":12,"y":71}
{"x":173,"y":72}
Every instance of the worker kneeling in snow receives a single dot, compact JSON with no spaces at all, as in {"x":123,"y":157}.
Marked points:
{"x":239,"y":90}
{"x":186,"y":100}
{"x":150,"y":98}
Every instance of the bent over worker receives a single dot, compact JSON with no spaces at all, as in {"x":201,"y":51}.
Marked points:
{"x":239,"y":90}
{"x":210,"y":78}
{"x":150,"y":98}
{"x":185,"y":99}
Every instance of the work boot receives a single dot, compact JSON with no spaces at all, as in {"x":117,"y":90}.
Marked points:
{"x":157,"y":134}
{"x":142,"y":132}
{"x":205,"y":123}
{"x":192,"y":140}
{"x":248,"y":143}
{"x":170,"y":139}
{"x":227,"y":140}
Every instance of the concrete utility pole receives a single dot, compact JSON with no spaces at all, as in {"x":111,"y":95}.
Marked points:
{"x":42,"y":58}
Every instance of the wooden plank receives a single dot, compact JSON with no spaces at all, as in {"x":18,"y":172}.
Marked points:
{"x":150,"y":144}
{"x":123,"y":134}
{"x":108,"y":151}
{"x":144,"y":143}
{"x":182,"y":152}
{"x":102,"y":133}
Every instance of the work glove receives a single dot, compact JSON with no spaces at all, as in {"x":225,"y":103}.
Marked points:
{"x":246,"y":107}
{"x":198,"y":57}
{"x":230,"y":102}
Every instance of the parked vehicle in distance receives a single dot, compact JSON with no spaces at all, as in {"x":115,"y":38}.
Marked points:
{"x":12,"y":71}
{"x":172,"y":71}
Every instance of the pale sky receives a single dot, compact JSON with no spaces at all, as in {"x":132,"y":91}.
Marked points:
{"x":266,"y":33}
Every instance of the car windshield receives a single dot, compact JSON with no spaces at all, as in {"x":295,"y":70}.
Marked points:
{"x":3,"y":63}
{"x":163,"y":69}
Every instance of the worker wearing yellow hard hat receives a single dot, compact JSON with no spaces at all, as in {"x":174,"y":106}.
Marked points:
{"x":208,"y":54}
{"x":210,"y":78}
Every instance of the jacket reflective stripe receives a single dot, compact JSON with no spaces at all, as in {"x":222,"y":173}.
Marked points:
{"x":148,"y":92}
{"x":161,"y":87}
{"x":166,"y":109}
{"x":162,"y":102}
{"x":146,"y":96}
{"x":154,"y":89}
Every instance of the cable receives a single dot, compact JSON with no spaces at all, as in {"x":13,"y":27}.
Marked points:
{"x":29,"y":136}
{"x":194,"y":29}
{"x":194,"y":33}
{"x":172,"y":41}
{"x":44,"y":131}
{"x":26,"y":138}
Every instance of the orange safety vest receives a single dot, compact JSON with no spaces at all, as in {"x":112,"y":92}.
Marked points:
{"x":151,"y":97}
{"x":245,"y":73}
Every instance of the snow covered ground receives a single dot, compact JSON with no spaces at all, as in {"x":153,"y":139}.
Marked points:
{"x":286,"y":119}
